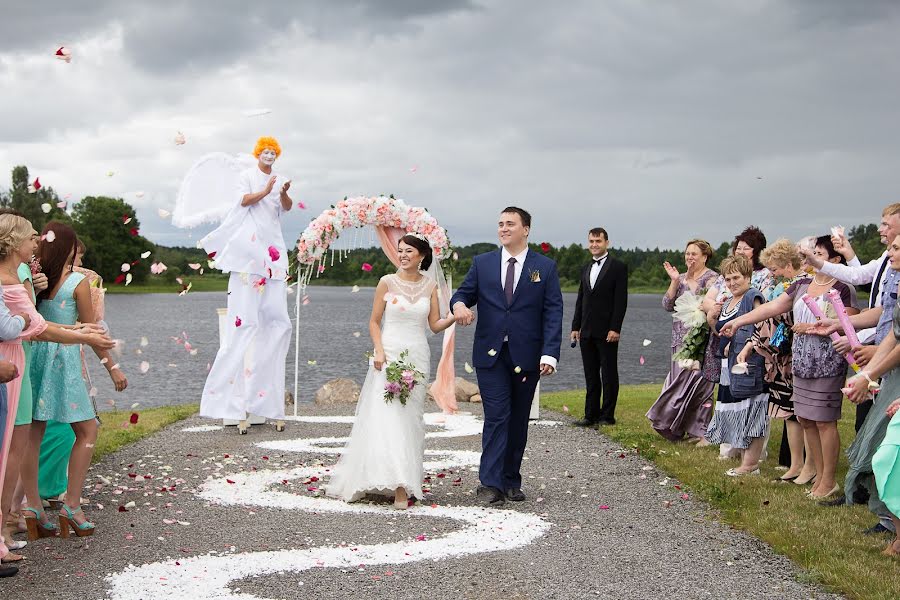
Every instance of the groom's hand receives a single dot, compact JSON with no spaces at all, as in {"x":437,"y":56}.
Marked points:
{"x":463,"y":315}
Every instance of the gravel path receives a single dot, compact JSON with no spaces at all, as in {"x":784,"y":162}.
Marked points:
{"x":216,"y":515}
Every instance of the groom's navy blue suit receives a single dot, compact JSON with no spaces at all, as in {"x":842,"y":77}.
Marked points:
{"x":509,"y":371}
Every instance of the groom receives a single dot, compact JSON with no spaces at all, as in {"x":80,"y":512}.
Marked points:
{"x":517,"y":340}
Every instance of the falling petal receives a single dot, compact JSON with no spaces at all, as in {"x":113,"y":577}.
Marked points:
{"x":413,"y":169}
{"x":257,"y":112}
{"x":64,"y":54}
{"x":145,"y":366}
{"x":642,"y":359}
{"x":110,"y":173}
{"x":311,"y":363}
{"x":517,"y":370}
{"x":179,"y":139}
{"x":237,"y":321}
{"x":356,"y":334}
{"x":128,"y":278}
{"x":133,"y":419}
{"x":468,"y":368}
{"x":146,"y":254}
{"x":126,"y":219}
{"x":62,"y":204}
{"x":144,"y":342}
{"x":492,"y":352}
{"x":565,"y":409}
{"x":50,"y":236}
{"x":354,"y":289}
{"x":301,"y":206}
{"x":194,"y":266}
{"x":126,"y":267}
{"x":139,"y":194}
{"x":647,"y":343}
{"x":163,"y":213}
{"x":366,"y":267}
{"x":46,"y":208}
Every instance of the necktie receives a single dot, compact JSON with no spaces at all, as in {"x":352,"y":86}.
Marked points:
{"x":510,"y":282}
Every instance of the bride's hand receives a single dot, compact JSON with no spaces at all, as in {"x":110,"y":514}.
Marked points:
{"x":378,"y":360}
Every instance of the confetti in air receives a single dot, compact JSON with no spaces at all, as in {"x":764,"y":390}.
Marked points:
{"x":64,"y":54}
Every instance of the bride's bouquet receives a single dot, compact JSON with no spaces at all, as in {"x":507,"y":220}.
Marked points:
{"x":402,"y":377}
{"x":688,"y":310}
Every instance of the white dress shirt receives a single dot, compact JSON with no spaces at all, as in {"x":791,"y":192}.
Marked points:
{"x":596,"y":267}
{"x":504,"y":264}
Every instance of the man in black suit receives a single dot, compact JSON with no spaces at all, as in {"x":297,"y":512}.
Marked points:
{"x":599,"y":312}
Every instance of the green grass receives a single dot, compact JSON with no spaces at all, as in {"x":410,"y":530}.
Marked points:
{"x":200,"y":284}
{"x":826,"y":542}
{"x":114,"y":434}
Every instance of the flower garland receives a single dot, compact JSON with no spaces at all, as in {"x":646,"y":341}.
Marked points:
{"x":360,"y":211}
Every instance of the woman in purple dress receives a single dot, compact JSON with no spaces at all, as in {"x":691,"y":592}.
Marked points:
{"x":685,"y":404}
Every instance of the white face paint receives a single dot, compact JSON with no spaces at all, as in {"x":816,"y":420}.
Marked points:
{"x":267,"y":156}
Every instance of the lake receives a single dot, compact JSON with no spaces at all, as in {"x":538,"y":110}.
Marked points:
{"x":327,"y":327}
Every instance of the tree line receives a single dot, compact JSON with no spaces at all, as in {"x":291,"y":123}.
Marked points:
{"x":110,"y":229}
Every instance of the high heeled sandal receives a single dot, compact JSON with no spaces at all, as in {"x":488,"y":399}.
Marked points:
{"x":37,"y":528}
{"x":67,"y":522}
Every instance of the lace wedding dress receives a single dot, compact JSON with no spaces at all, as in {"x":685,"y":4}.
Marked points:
{"x":387,"y":444}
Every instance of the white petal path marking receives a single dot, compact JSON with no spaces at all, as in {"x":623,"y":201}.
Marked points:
{"x":202,"y":428}
{"x":210,"y":576}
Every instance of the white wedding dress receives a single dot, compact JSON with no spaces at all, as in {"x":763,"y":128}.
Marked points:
{"x":387,"y":444}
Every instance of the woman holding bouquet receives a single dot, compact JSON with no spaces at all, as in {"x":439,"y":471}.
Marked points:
{"x":385,"y":453}
{"x":685,"y":404}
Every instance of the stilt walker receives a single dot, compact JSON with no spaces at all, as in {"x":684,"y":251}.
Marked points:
{"x":248,"y":244}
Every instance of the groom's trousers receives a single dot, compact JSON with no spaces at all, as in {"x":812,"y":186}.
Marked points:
{"x":231,"y":391}
{"x":506,"y":399}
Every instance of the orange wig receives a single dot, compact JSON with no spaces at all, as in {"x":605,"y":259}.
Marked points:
{"x":266,"y":142}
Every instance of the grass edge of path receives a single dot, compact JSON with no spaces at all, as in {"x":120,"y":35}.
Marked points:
{"x":117,"y":432}
{"x":825,"y":543}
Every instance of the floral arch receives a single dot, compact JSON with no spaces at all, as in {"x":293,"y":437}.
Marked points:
{"x":392,"y":218}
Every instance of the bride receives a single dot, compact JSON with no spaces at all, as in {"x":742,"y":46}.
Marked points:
{"x":386,"y":449}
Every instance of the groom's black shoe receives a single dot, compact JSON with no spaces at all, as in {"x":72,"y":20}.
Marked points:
{"x":515,"y":494}
{"x":603,"y":422}
{"x":584,"y":423}
{"x":490,"y":495}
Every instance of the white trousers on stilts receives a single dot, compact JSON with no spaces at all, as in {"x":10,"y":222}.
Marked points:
{"x":231,"y":391}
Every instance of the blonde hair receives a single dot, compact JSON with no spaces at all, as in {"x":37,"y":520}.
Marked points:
{"x":781,"y":254}
{"x":705,"y":249}
{"x":266,"y":142}
{"x":891,"y":209}
{"x":737,"y":264}
{"x":13,"y":231}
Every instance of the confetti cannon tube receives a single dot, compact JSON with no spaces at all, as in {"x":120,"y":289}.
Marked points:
{"x":843,"y":318}
{"x":815,"y":310}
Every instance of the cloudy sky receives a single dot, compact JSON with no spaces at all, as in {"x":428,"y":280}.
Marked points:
{"x":658,"y":121}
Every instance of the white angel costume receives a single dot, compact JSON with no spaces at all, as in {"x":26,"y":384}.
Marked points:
{"x":386,"y":448}
{"x":249,"y":244}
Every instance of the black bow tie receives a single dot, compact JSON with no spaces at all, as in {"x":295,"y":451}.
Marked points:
{"x":597,"y":261}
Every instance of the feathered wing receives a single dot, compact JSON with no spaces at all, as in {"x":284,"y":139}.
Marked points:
{"x":209,"y":189}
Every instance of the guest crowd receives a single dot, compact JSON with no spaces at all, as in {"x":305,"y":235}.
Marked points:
{"x":778,"y":352}
{"x":50,"y":309}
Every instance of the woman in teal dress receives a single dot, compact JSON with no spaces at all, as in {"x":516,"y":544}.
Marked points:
{"x":58,"y":388}
{"x":59,"y":437}
{"x":886,"y":466}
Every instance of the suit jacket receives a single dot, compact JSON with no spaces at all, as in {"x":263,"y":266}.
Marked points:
{"x":533,"y":321}
{"x":601,"y":309}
